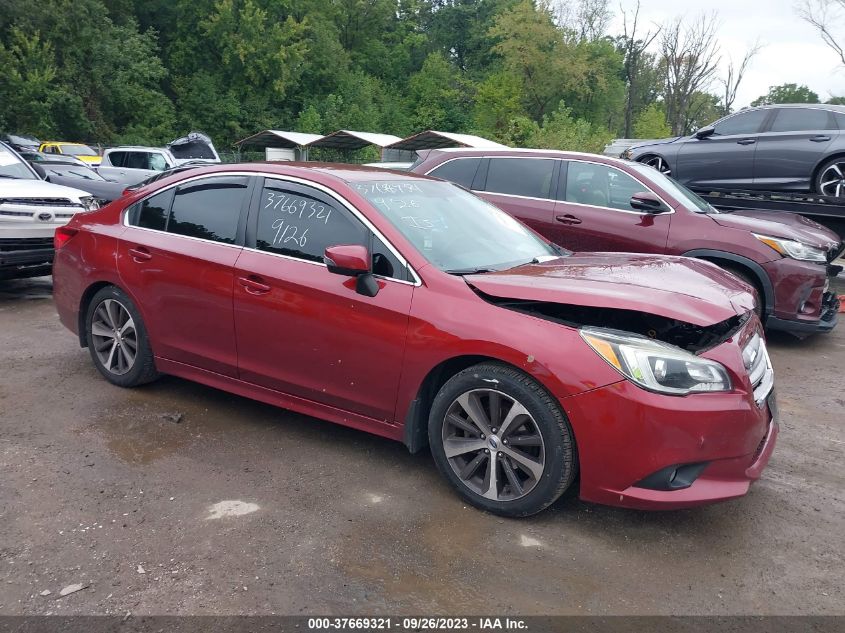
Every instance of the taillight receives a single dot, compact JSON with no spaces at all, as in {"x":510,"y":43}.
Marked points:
{"x":62,"y":236}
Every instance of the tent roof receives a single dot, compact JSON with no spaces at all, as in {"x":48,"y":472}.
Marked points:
{"x":279,"y":138}
{"x":349,"y":139}
{"x":432,"y":139}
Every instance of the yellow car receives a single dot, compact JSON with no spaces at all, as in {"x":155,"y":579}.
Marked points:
{"x":77,"y":150}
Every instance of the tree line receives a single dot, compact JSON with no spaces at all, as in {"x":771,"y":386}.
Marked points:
{"x":541,"y":73}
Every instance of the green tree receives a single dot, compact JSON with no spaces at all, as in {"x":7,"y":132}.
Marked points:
{"x":441,"y":98}
{"x":787,"y":93}
{"x":561,"y":130}
{"x":651,"y":123}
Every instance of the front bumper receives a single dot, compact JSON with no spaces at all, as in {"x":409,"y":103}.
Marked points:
{"x":803,"y":303}
{"x":19,"y":252}
{"x":626,"y":435}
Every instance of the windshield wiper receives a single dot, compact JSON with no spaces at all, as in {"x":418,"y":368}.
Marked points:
{"x":468,"y":271}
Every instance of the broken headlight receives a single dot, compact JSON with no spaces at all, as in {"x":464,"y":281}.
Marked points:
{"x":89,"y":203}
{"x":655,"y":365}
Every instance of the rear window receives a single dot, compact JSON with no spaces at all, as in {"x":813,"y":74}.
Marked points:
{"x":117,"y":158}
{"x":209,"y":209}
{"x":152,"y":212}
{"x":530,"y":177}
{"x":801,"y":119}
{"x":460,"y":171}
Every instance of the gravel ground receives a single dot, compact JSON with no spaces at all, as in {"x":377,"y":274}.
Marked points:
{"x":177,"y":498}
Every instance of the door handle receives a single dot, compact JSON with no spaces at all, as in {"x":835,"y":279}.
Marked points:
{"x":819,"y":139}
{"x":140,"y":254}
{"x":746,"y":141}
{"x":253,"y":285}
{"x":568,"y":219}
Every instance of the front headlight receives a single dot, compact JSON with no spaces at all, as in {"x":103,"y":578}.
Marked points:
{"x":627,"y":153}
{"x":90,"y":203}
{"x":655,"y":365}
{"x":793,"y":249}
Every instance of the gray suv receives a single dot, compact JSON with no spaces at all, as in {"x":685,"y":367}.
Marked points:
{"x":796,"y":148}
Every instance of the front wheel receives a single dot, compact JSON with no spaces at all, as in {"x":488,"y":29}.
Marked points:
{"x":501,"y":440}
{"x":658,"y":162}
{"x":117,"y":339}
{"x":830,"y":180}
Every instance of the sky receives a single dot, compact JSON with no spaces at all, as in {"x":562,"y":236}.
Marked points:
{"x":793,"y":51}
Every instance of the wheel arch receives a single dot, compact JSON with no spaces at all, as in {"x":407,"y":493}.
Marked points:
{"x":85,"y":301}
{"x":754,"y":270}
{"x":415,"y":432}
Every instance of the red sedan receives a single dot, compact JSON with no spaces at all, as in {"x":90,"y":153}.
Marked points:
{"x":407,"y":307}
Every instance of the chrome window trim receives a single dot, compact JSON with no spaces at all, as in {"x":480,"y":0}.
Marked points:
{"x":417,"y":281}
{"x":580,"y":204}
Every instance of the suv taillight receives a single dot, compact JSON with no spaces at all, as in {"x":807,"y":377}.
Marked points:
{"x":62,"y":236}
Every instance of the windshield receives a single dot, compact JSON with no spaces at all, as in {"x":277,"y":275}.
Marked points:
{"x":453,"y":229}
{"x":78,"y":150}
{"x":689,"y":199}
{"x":13,"y":167}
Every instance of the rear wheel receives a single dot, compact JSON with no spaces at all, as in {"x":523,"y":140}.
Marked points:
{"x":117,"y":339}
{"x":830,"y":180}
{"x":501,"y":440}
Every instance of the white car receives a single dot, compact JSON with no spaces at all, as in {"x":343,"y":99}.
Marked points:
{"x":30,"y":211}
{"x":131,"y":164}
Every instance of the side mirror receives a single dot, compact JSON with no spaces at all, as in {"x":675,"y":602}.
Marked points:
{"x":705,"y":132}
{"x":42,"y":173}
{"x":648,"y":202}
{"x":352,"y":261}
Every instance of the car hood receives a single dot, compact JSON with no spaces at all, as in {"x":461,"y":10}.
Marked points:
{"x":659,"y":141}
{"x":195,"y":146}
{"x":790,"y":226}
{"x":680,"y":288}
{"x":21,"y":188}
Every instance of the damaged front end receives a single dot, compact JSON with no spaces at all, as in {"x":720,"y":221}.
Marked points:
{"x":688,"y":336}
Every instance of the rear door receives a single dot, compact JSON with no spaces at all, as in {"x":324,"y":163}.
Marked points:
{"x":304,"y":331}
{"x":594,"y":212}
{"x":177,"y":258}
{"x":523,"y":186}
{"x":725,"y":159}
{"x":795,"y":142}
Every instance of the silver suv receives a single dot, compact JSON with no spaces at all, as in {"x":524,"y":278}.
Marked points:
{"x":30,"y":211}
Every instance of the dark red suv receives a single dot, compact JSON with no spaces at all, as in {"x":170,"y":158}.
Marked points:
{"x":587,"y":202}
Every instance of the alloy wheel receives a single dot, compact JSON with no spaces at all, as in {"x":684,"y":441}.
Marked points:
{"x":114,"y":337}
{"x":659,"y":164}
{"x":832,"y":181}
{"x":493,"y":445}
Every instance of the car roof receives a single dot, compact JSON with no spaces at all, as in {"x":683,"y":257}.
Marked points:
{"x":526,"y":152}
{"x":815,"y":106}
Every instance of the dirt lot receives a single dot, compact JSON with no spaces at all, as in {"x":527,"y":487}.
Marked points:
{"x":103,"y":487}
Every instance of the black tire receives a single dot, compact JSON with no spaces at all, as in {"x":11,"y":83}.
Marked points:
{"x":752,"y":281}
{"x":142,"y":370}
{"x":838,"y":179}
{"x":543,"y":415}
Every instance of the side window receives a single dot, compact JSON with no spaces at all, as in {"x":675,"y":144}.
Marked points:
{"x":209,"y":208}
{"x":461,"y":171}
{"x":520,"y":176}
{"x":157,"y":162}
{"x":117,"y":158}
{"x":135,"y":160}
{"x":299,"y":224}
{"x":801,"y":119}
{"x":385,"y":263}
{"x":600,"y":186}
{"x":743,"y":123}
{"x":152,"y":213}
{"x":840,"y":120}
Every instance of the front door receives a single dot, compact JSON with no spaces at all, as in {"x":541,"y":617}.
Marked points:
{"x":594,"y":212}
{"x":177,"y":256}
{"x":304,"y":331}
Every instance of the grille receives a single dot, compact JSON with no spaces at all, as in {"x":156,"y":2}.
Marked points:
{"x":40,"y":202}
{"x":755,"y":357}
{"x":9,"y":245}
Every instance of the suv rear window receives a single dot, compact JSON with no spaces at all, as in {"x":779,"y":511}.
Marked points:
{"x":521,"y":176}
{"x":460,"y":171}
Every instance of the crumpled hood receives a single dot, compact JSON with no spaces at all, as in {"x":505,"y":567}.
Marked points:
{"x":22,"y":188}
{"x":679,"y":288}
{"x":775,"y":224}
